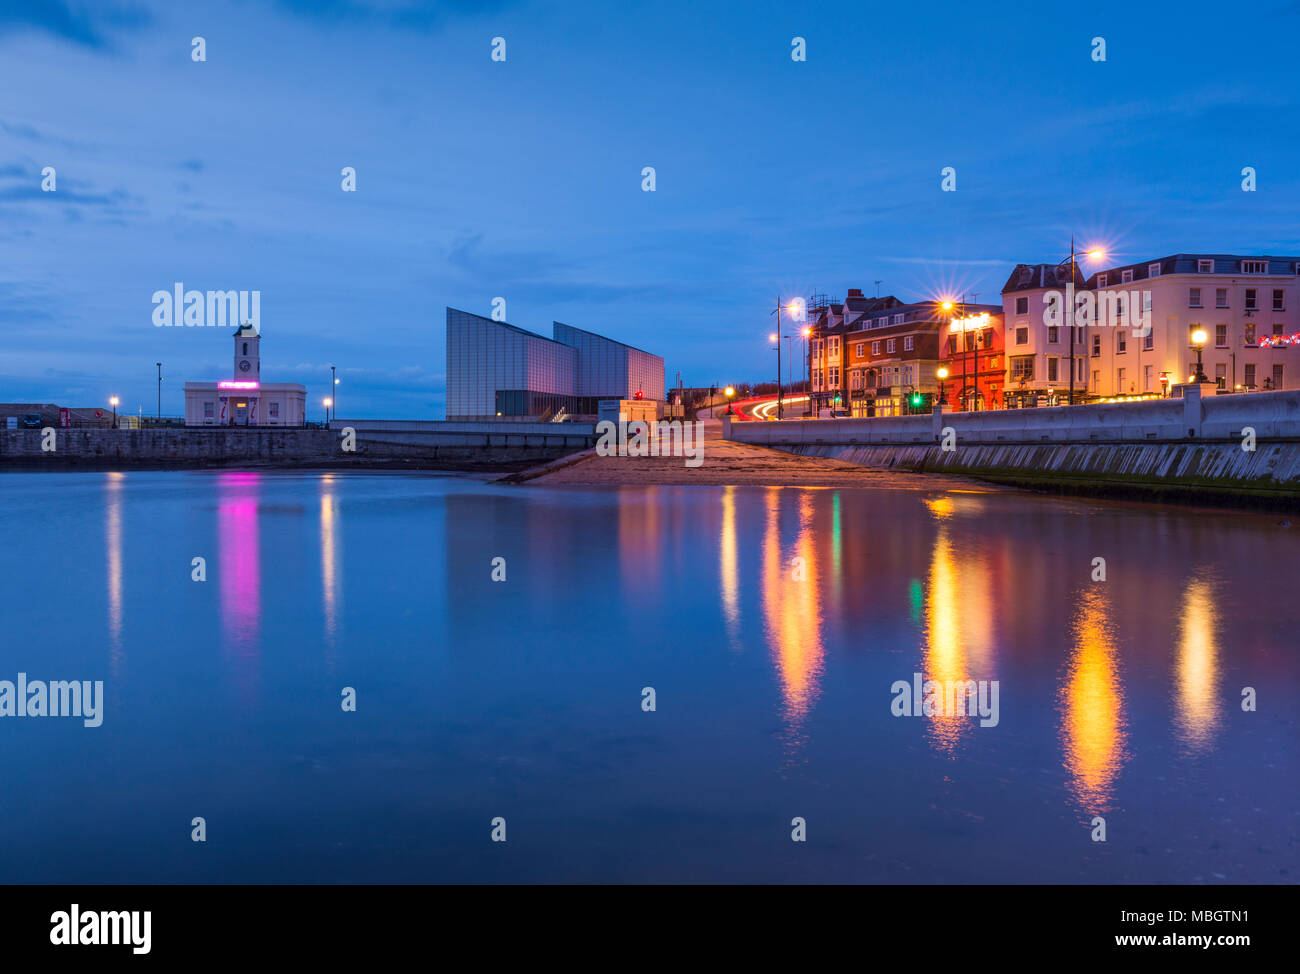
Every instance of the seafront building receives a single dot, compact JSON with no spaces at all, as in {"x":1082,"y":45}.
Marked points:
{"x":871,"y":356}
{"x":1248,"y":307}
{"x":496,"y":370}
{"x":244,"y":399}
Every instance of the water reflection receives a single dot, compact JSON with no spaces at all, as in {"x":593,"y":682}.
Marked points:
{"x":1092,"y":708}
{"x":330,"y":555}
{"x":1196,"y":687}
{"x":113,"y":536}
{"x":240,"y":560}
{"x":730,"y":567}
{"x":792,"y":611}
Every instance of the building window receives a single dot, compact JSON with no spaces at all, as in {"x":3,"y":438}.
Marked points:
{"x":1081,"y":372}
{"x":1096,"y":346}
{"x":1121,"y":342}
{"x":1126,"y":277}
{"x":898,"y":319}
{"x":1096,"y":381}
{"x":835,"y":377}
{"x":209,"y":410}
{"x":890,"y":345}
{"x":1249,"y":378}
{"x":1149,"y":339}
{"x":1101,"y":280}
{"x":1220,"y":336}
{"x":909,"y":343}
{"x":1277,"y":330}
{"x":1221,"y":375}
{"x":1205,"y":267}
{"x":1250,"y":298}
{"x":1194,"y":297}
{"x":1022,"y":367}
{"x":1220,"y":297}
{"x":952,"y":345}
{"x":1250,"y":333}
{"x":1278,"y":295}
{"x":1120,"y":376}
{"x":859,"y":349}
{"x":1146,"y":301}
{"x":274,"y":410}
{"x":1254,"y":267}
{"x":1053,"y":335}
{"x":835,"y":346}
{"x":1277,"y":377}
{"x":1052,"y":365}
{"x":1153,"y":270}
{"x":875,"y":348}
{"x":1022,"y":306}
{"x":1022,"y":336}
{"x":1147,"y":371}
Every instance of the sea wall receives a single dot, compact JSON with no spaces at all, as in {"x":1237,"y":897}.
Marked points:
{"x":1191,"y":448}
{"x":431,"y":446}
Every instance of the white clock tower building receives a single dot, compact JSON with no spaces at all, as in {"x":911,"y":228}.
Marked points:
{"x":244,"y":399}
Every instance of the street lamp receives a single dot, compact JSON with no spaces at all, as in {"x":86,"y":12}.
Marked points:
{"x":1198,"y":343}
{"x":1093,"y":254}
{"x":942,"y":373}
{"x":112,"y":401}
{"x":730,"y":392}
{"x":159,"y":364}
{"x":334,"y":390}
{"x":328,"y":402}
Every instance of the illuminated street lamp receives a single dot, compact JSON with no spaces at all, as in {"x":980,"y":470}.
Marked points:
{"x":942,"y":373}
{"x":730,"y":391}
{"x":1198,"y":343}
{"x":1093,"y":254}
{"x":112,"y":401}
{"x":328,"y":402}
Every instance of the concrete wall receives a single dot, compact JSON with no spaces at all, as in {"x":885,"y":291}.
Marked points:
{"x":468,"y":448}
{"x":1190,"y":446}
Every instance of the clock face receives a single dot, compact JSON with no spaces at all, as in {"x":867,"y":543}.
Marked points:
{"x":244,"y":365}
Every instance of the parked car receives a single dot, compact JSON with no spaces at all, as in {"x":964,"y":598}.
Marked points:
{"x":32,"y":421}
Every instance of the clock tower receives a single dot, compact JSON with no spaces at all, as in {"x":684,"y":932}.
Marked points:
{"x":248,"y":363}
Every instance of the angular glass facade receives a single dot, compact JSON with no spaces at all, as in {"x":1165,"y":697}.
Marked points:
{"x":497,"y":370}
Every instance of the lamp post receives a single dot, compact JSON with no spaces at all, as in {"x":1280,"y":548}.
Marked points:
{"x":730,"y":392}
{"x":942,"y":373}
{"x":1198,"y":343}
{"x":1073,"y":259}
{"x":112,"y":401}
{"x":328,"y":402}
{"x":775,"y":339}
{"x":159,"y":364}
{"x":334,"y":387}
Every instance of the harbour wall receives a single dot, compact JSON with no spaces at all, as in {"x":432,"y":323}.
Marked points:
{"x":1185,"y":449}
{"x":378,"y":444}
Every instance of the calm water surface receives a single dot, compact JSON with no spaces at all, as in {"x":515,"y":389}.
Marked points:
{"x":522,"y":698}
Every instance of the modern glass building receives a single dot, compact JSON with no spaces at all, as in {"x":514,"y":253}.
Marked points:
{"x":495,"y":370}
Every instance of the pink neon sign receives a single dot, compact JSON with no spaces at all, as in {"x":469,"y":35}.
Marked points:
{"x":236,"y":384}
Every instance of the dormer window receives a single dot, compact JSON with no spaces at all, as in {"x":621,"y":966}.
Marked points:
{"x":1153,"y":270}
{"x":1101,"y":280}
{"x":1254,"y":267}
{"x":1027,"y":274}
{"x":1126,"y":277}
{"x":1205,"y":266}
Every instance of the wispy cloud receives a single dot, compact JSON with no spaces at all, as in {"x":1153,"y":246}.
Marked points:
{"x":88,"y":24}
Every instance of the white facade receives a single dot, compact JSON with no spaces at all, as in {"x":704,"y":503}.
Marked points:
{"x":245,"y":400}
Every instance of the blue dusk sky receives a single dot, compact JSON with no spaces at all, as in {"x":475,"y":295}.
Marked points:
{"x":522,"y":179}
